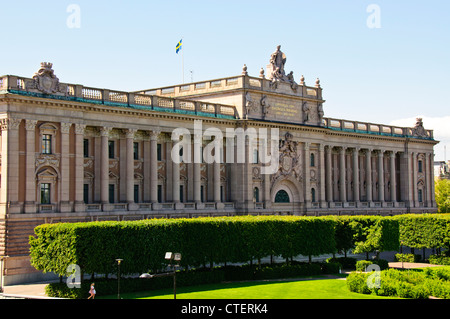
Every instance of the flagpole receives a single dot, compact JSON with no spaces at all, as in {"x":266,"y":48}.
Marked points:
{"x":182,"y":59}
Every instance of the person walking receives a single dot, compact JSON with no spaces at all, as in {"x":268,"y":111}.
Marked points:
{"x":92,"y":291}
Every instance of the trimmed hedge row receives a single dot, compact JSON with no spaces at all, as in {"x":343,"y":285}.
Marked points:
{"x":425,"y":230}
{"x":94,"y":246}
{"x":405,"y":283}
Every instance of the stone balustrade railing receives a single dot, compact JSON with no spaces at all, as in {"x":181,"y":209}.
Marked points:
{"x":76,"y":92}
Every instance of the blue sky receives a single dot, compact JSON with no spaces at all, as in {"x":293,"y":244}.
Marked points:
{"x":388,"y":75}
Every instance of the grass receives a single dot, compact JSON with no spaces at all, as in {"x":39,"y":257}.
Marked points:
{"x":315,"y":288}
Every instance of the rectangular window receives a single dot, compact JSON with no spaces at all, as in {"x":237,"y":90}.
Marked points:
{"x":111,"y":149}
{"x":202,"y":191}
{"x":47,"y":144}
{"x":86,"y":193}
{"x":86,"y":147}
{"x":45,"y":193}
{"x":255,"y":156}
{"x":420,"y":195}
{"x":136,"y":150}
{"x":158,"y":152}
{"x":420,"y":167}
{"x":181,"y":194}
{"x":160,"y":194}
{"x":136,"y":193}
{"x":222,"y":194}
{"x":111,"y":193}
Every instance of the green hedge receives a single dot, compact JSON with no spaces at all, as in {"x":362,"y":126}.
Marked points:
{"x":405,"y":283}
{"x":94,"y":246}
{"x":408,"y":258}
{"x":425,"y":230}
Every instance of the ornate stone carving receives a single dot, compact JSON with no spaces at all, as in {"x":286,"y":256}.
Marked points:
{"x":289,"y":159}
{"x":276,"y":70}
{"x":45,"y":80}
{"x":418,"y":129}
{"x":265,"y":105}
{"x":47,"y":160}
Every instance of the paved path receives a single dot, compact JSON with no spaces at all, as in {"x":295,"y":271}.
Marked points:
{"x":405,"y":265}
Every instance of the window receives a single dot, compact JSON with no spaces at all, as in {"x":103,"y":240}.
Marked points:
{"x":86,"y":147}
{"x":111,"y":149}
{"x":222,"y":193}
{"x":136,"y":150}
{"x":86,"y":193}
{"x":282,"y":197}
{"x":420,"y":195}
{"x":313,"y":195}
{"x":158,"y":152}
{"x":256,"y":194}
{"x":420,"y":167}
{"x":312,"y":163}
{"x":136,"y":193}
{"x":45,"y":193}
{"x":160,"y":194}
{"x":202,"y":190}
{"x":255,"y":156}
{"x":47,"y":144}
{"x":181,"y":194}
{"x":111,"y":193}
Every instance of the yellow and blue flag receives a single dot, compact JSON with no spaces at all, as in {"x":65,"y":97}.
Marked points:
{"x":178,"y":47}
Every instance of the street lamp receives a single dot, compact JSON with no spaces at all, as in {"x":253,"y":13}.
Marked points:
{"x":118,"y":277}
{"x":177,"y":258}
{"x":170,"y":257}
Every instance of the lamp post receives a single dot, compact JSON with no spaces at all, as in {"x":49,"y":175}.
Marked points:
{"x":170,"y":257}
{"x":177,"y":258}
{"x":118,"y":277}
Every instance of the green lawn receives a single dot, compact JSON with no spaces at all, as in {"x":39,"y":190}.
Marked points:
{"x":302,"y":289}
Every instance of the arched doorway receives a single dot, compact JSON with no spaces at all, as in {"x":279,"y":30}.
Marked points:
{"x":282,"y":197}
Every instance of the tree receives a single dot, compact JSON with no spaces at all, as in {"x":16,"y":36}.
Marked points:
{"x":442,"y":194}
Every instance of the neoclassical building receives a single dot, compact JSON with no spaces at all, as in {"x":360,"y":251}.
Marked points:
{"x":72,"y":153}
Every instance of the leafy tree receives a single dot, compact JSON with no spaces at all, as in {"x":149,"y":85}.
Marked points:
{"x":442,"y":194}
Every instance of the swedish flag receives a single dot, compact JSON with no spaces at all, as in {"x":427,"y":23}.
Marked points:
{"x":178,"y":47}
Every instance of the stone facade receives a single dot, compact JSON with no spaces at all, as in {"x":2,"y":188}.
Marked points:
{"x":71,"y":153}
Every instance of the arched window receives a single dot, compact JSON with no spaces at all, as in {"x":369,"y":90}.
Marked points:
{"x":256,"y":194}
{"x":282,"y":197}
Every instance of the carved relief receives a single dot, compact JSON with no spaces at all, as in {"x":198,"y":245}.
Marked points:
{"x":289,"y":159}
{"x":46,"y":81}
{"x":418,"y":129}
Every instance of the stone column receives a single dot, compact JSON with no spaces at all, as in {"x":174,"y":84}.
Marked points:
{"x":175,"y":181}
{"x":342,"y":171}
{"x":428,"y":177}
{"x":30,"y":181}
{"x":146,"y":171}
{"x":329,"y":175}
{"x":307,"y":177}
{"x":197,"y":173}
{"x":322,"y":175}
{"x":104,"y":166}
{"x":65,"y":169}
{"x":130,"y":168}
{"x":381,"y":176}
{"x":414,"y":182}
{"x":216,"y":178}
{"x":154,"y":166}
{"x":79,"y":167}
{"x":369,"y":175}
{"x":9,"y":199}
{"x":356,"y":198}
{"x":433,"y":199}
{"x":393,"y":178}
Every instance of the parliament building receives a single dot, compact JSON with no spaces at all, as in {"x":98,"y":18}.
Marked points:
{"x":71,"y":153}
